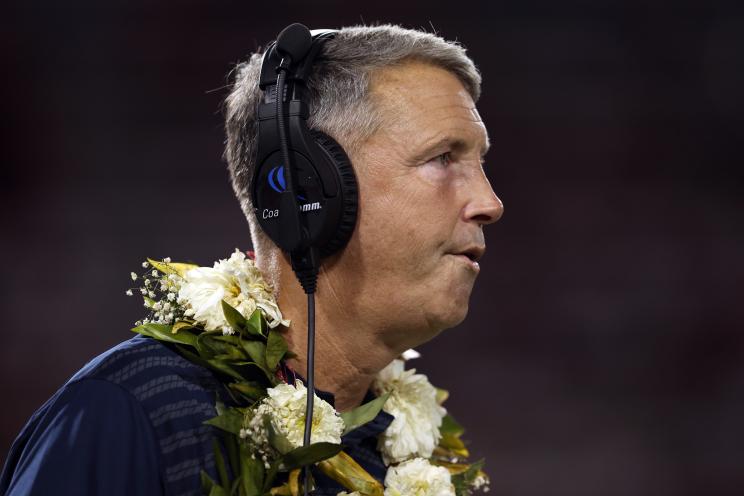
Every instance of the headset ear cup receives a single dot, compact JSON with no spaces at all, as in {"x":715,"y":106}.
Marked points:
{"x":349,"y":191}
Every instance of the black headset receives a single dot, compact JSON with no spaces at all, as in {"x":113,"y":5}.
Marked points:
{"x":304,"y":190}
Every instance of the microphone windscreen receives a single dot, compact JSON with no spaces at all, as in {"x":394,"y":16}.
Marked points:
{"x":294,"y":41}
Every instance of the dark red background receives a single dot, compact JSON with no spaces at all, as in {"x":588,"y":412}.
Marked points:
{"x":603,"y":354}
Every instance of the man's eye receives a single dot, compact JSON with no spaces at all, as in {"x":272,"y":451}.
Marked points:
{"x":444,"y":159}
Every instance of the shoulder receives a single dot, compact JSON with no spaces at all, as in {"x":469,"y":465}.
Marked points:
{"x":139,"y":400}
{"x":177,"y":397}
{"x":88,"y":425}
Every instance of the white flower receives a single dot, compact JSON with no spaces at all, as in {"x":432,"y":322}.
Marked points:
{"x":129,"y":292}
{"x":236,"y":280}
{"x":285,"y":410}
{"x":154,"y":273}
{"x":133,"y":276}
{"x":481,"y":483}
{"x":410,"y":354}
{"x":167,"y":260}
{"x":415,"y":429}
{"x":417,"y":477}
{"x":145,"y":265}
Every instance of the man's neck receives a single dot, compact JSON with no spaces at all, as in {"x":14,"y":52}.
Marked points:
{"x":348,"y":350}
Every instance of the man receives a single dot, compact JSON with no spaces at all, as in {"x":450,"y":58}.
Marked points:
{"x":401,"y":103}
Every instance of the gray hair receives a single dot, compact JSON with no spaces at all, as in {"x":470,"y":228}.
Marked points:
{"x":338,"y":95}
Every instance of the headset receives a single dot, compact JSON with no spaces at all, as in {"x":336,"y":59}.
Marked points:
{"x":304,"y":190}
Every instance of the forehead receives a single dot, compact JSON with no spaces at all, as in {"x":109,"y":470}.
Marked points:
{"x":422,"y":104}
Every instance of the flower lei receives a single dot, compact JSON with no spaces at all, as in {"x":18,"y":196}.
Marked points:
{"x":225,"y":318}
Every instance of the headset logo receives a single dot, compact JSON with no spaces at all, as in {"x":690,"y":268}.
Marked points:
{"x":278,"y":184}
{"x":276,"y":175}
{"x":310,"y":206}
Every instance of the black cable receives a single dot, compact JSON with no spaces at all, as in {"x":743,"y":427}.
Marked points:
{"x":307,"y":278}
{"x":310,"y":378}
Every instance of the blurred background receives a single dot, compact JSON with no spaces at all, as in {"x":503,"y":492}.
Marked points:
{"x":604,"y":350}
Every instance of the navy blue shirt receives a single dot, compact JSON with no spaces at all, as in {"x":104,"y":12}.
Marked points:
{"x":132,"y":422}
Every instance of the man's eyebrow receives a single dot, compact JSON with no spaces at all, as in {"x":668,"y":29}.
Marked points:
{"x":450,"y":142}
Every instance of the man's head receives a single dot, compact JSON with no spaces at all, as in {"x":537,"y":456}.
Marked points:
{"x":401,"y":102}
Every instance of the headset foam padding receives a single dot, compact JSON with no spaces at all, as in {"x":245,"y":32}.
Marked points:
{"x":349,"y":192}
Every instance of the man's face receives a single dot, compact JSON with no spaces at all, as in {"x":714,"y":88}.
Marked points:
{"x":423,"y":201}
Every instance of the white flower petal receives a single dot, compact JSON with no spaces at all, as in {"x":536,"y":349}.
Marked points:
{"x":415,"y":430}
{"x":417,"y":477}
{"x":284,"y":408}
{"x":238,"y":282}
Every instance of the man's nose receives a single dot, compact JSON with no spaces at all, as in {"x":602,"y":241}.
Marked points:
{"x":484,"y":206}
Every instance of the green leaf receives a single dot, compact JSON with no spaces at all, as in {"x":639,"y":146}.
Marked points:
{"x":276,"y":346}
{"x":363,"y":413}
{"x":251,"y":389}
{"x":206,"y":482}
{"x":233,"y":317}
{"x":191,"y":356}
{"x":463,"y":480}
{"x":213,"y":345}
{"x":306,"y":455}
{"x":203,"y":345}
{"x":257,"y":351}
{"x":218,"y":491}
{"x":236,"y":485}
{"x":226,"y":369}
{"x":221,"y":469}
{"x":451,"y":426}
{"x":256,"y":324}
{"x":231,"y":442}
{"x":252,"y":472}
{"x":231,"y":420}
{"x":163,"y":332}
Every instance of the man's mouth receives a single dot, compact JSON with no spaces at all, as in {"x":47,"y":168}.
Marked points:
{"x":470,"y":255}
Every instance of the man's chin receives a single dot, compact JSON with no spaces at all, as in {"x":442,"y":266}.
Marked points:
{"x":448,"y":316}
{"x":459,"y":316}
